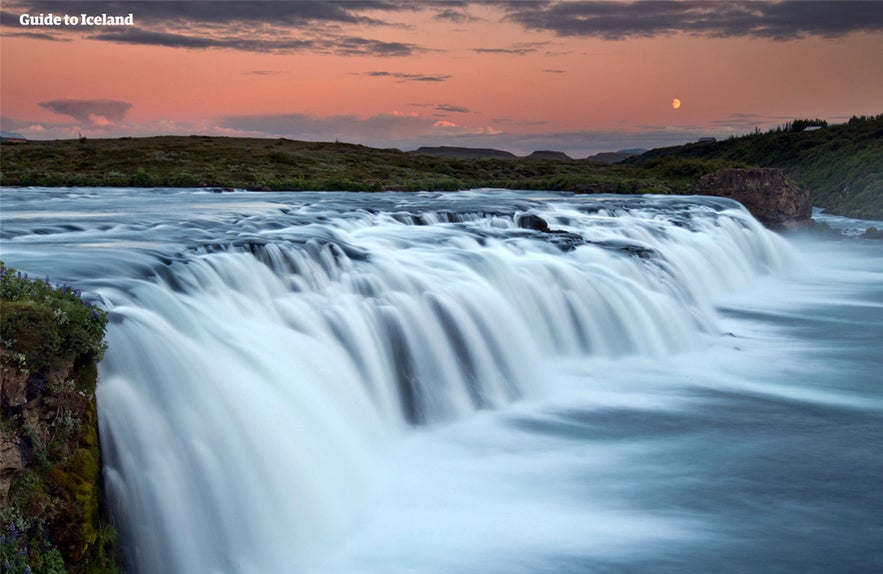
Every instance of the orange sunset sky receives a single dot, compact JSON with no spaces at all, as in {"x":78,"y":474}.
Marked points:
{"x":579,"y":77}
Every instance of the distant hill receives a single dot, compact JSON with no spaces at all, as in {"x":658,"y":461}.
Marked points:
{"x":546,"y":154}
{"x":633,"y":151}
{"x":462,"y":152}
{"x":609,"y":157}
{"x":840,"y":165}
{"x":288,"y":165}
{"x":10,"y":135}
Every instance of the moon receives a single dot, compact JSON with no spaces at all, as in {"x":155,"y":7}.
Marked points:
{"x":676,"y":103}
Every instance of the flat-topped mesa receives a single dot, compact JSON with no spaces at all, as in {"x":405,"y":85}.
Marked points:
{"x":764,"y":192}
{"x":550,"y":154}
{"x":455,"y":152}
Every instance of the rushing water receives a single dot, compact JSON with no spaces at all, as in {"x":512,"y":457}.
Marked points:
{"x":417,"y":383}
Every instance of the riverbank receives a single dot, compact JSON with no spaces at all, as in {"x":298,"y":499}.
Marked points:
{"x":288,"y":165}
{"x":51,"y":495}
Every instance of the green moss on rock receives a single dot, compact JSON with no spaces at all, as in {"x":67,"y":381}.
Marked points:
{"x":51,"y":496}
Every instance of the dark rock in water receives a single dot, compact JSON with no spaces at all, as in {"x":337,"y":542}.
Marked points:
{"x":565,"y":240}
{"x":764,"y":192}
{"x":626,"y":248}
{"x":872,"y":233}
{"x":821,"y":229}
{"x":531,"y":221}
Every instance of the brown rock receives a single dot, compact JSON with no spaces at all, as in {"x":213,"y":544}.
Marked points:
{"x":11,"y":463}
{"x":764,"y":192}
{"x":13,"y":387}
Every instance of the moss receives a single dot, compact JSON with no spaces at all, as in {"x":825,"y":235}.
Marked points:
{"x":53,"y":339}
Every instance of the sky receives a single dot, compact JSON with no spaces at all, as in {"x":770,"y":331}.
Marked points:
{"x":575,"y":76}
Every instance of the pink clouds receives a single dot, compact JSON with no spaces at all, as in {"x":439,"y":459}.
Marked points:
{"x":407,"y":74}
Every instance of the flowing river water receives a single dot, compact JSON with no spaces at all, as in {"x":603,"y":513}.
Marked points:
{"x":432,"y":383}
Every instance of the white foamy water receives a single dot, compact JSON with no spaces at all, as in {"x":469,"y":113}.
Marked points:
{"x":363,"y":383}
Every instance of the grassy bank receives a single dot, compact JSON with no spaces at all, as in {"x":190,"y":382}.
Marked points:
{"x":841,"y":165}
{"x":281,"y":164}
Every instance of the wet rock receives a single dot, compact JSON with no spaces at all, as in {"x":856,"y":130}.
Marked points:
{"x":534,"y":222}
{"x":764,"y":192}
{"x":872,"y":233}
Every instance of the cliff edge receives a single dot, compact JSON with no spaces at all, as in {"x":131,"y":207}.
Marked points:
{"x":765,"y":193}
{"x":50,"y":469}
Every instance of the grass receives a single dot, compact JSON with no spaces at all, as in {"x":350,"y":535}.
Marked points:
{"x":841,"y":166}
{"x":282,"y":164}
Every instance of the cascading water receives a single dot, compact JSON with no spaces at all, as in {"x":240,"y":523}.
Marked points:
{"x":268,"y":351}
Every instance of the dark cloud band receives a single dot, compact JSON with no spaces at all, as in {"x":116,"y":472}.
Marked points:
{"x":761,"y":19}
{"x":285,"y":26}
{"x":89,"y":111}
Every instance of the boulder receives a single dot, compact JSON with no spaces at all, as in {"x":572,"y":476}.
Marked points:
{"x":764,"y":192}
{"x":534,"y":222}
{"x":872,"y":233}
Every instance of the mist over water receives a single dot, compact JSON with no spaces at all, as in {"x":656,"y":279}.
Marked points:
{"x":391,"y":383}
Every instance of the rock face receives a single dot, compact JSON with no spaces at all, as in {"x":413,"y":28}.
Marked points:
{"x":764,"y":192}
{"x":50,"y":464}
{"x":50,"y":469}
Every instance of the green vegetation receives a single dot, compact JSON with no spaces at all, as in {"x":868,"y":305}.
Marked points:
{"x":274,"y":165}
{"x":50,"y":344}
{"x":47,"y":327}
{"x":841,"y":165}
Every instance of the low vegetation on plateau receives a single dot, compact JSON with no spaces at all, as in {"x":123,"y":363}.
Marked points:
{"x":50,"y":472}
{"x":282,"y":164}
{"x":840,"y":165}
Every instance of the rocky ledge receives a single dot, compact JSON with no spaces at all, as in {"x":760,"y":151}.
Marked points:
{"x":51,"y":508}
{"x":764,"y":192}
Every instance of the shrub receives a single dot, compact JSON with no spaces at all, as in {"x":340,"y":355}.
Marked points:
{"x":44,"y":326}
{"x":142,"y":179}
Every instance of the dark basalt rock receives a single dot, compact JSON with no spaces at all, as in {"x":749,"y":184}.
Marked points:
{"x":872,"y":233}
{"x":534,"y":222}
{"x":764,"y":192}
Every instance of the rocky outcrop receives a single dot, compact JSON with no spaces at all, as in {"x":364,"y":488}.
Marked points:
{"x":50,"y":463}
{"x":534,"y":222}
{"x":872,"y":233}
{"x":764,"y":192}
{"x":50,"y":470}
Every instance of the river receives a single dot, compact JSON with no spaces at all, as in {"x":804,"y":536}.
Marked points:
{"x":430,"y":383}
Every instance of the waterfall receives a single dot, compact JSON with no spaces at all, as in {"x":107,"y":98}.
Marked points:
{"x":261,"y":355}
